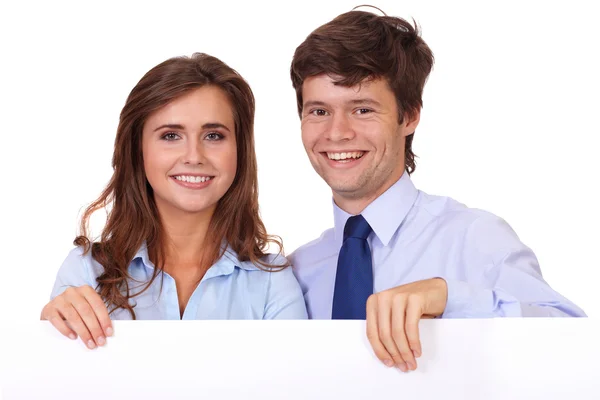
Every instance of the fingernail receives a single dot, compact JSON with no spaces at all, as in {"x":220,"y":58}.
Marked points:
{"x":72,"y":336}
{"x":411,"y":366}
{"x":388,"y":363}
{"x":402,"y":367}
{"x":109,"y":331}
{"x":417,"y":353}
{"x":101,"y":341}
{"x":91,"y":344}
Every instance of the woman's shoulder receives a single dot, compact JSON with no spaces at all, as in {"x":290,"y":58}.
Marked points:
{"x":284,"y":296}
{"x":77,"y":269}
{"x":78,"y":259}
{"x":281,"y":292}
{"x":267,"y":263}
{"x":275,"y":260}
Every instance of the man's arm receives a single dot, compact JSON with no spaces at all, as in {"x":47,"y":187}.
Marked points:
{"x":503,"y":280}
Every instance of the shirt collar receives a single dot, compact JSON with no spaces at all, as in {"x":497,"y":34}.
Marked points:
{"x":224,"y":265}
{"x":142,"y":254}
{"x":385,"y":213}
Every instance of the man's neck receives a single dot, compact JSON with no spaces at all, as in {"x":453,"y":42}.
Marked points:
{"x":355,"y":205}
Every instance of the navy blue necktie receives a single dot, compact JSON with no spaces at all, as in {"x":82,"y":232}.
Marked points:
{"x":354,"y":277}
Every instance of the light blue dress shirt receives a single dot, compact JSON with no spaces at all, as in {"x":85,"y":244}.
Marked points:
{"x":417,"y":236}
{"x":230,"y":289}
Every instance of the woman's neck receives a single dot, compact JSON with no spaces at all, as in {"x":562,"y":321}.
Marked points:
{"x":185,"y":238}
{"x":185,"y":251}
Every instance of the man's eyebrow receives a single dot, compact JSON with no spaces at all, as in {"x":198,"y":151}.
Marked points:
{"x":365,"y":101}
{"x":314,"y":103}
{"x":362,"y":101}
{"x":208,"y":125}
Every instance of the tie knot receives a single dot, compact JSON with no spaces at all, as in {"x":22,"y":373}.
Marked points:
{"x":357,"y":227}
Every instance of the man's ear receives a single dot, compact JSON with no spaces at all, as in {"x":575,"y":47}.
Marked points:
{"x":410,"y":123}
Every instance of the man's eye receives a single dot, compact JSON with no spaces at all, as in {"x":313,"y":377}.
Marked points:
{"x":319,"y":112}
{"x":363,"y":111}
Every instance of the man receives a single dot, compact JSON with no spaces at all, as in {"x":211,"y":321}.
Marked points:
{"x":395,"y":254}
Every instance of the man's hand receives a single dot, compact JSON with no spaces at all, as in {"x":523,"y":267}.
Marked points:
{"x":393,"y":320}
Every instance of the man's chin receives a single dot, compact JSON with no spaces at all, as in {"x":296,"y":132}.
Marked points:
{"x":346,"y":191}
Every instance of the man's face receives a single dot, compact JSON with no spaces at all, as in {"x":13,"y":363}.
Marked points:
{"x":353,"y":138}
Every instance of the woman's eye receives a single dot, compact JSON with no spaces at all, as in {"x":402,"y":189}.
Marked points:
{"x":169,"y":136}
{"x":214,"y":136}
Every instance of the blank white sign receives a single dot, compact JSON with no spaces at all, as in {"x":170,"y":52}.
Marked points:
{"x":462,"y":359}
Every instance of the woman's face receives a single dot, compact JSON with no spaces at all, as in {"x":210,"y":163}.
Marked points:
{"x":189,"y":151}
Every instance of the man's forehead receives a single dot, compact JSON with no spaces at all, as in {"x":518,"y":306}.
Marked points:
{"x":322,"y":87}
{"x":340,"y":81}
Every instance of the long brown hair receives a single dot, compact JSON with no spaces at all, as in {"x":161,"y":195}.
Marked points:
{"x":360,"y":45}
{"x":133,"y":217}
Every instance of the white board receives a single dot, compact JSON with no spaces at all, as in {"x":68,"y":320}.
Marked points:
{"x":462,"y":359}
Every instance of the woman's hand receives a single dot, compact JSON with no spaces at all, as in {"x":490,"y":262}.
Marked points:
{"x":80,"y":311}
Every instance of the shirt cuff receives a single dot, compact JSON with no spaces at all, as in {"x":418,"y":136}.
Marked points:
{"x":466,"y":300}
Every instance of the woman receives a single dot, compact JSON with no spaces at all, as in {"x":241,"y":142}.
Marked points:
{"x":183,"y":238}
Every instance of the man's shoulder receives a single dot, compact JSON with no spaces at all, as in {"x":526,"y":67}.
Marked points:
{"x":475,"y":227}
{"x":445,"y":209}
{"x":314,"y":250}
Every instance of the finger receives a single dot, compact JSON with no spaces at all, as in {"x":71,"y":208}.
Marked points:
{"x":95,"y":301}
{"x":413,"y":316}
{"x":373,"y":332}
{"x":73,"y":319}
{"x":57,"y":321}
{"x":87,"y":314}
{"x":384,"y":319}
{"x":398,"y":319}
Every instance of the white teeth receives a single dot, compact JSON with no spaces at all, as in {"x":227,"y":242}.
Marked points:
{"x":192,"y":179}
{"x":344,"y":156}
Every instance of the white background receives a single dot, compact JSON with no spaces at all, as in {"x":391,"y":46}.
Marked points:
{"x":508,"y":123}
